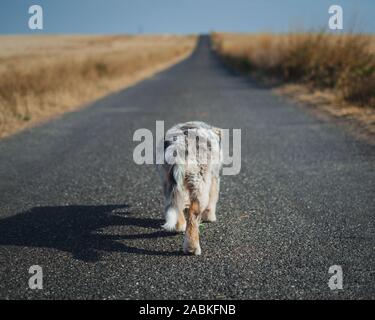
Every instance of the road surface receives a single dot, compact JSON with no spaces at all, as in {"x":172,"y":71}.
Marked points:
{"x":73,"y":201}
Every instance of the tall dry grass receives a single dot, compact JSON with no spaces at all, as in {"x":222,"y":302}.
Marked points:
{"x":344,"y":63}
{"x":41,"y":76}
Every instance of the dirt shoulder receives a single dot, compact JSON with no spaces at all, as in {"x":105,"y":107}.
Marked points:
{"x":42,"y":77}
{"x":334,"y":75}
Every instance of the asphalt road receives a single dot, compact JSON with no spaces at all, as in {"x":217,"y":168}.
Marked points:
{"x":73,"y":201}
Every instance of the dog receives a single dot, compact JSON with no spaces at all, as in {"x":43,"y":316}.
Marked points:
{"x":191,"y":179}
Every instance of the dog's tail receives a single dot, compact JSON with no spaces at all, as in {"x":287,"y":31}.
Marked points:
{"x":171,"y":217}
{"x":175,"y":201}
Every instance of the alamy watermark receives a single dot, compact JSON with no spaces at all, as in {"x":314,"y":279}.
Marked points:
{"x":219,"y":150}
{"x":336,"y":280}
{"x":36,"y":280}
{"x":36,"y":18}
{"x":336,"y":20}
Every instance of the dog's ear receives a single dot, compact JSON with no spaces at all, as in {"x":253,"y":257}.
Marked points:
{"x":217,"y":131}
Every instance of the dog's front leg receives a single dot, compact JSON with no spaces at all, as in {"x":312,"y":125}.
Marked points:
{"x":191,"y":241}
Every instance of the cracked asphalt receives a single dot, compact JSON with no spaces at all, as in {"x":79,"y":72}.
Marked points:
{"x":73,"y":201}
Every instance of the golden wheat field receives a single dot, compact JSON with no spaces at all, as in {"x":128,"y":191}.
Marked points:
{"x":43,"y":76}
{"x":334,"y":70}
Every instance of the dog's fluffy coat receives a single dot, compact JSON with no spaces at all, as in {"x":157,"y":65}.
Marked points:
{"x":191,"y":179}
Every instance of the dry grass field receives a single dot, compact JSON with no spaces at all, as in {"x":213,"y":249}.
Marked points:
{"x":334,"y":71}
{"x":43,"y":76}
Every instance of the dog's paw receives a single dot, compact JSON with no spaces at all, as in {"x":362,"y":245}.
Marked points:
{"x":195,"y":252}
{"x":169,"y":227}
{"x":208,"y":216}
{"x":192,"y":250}
{"x":181,"y":227}
{"x":209,"y":219}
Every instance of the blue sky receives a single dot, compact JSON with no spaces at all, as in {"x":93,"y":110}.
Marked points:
{"x":183,"y":16}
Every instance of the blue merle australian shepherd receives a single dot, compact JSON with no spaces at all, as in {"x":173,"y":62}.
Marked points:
{"x":191,"y":179}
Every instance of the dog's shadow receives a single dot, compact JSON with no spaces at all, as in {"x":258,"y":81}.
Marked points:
{"x":79,"y":230}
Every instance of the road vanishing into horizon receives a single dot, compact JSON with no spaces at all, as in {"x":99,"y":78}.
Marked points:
{"x":73,"y":201}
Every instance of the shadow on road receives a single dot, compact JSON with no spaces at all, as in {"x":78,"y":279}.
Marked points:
{"x":79,"y":230}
